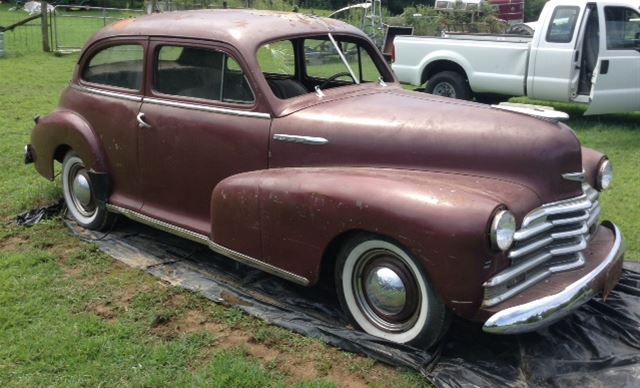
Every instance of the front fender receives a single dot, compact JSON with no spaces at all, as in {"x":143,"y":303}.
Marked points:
{"x":65,"y":128}
{"x":442,"y":219}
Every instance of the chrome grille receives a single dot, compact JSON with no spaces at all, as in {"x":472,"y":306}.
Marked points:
{"x":551,"y":239}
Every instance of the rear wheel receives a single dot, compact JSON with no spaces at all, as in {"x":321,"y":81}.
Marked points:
{"x":384,"y":292}
{"x":79,"y":195}
{"x":449,"y":84}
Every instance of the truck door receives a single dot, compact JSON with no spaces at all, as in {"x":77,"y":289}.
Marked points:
{"x":616,"y":79}
{"x":555,"y":54}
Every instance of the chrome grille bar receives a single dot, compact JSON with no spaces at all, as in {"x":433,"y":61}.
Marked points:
{"x":551,"y":239}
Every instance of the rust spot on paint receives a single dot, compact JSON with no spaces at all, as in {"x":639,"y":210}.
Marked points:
{"x":122,"y":24}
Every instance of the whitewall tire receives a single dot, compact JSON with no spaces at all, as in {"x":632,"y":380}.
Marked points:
{"x":384,"y":291}
{"x":79,"y":195}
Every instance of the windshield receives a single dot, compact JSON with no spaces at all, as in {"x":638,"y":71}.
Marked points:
{"x":304,"y":65}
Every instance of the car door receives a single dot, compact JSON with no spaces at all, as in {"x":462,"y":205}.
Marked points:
{"x":199,"y":124}
{"x":553,"y":69}
{"x":616,"y":80}
{"x":111,"y":77}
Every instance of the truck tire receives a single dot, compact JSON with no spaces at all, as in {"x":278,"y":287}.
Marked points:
{"x":385,"y":292}
{"x":449,"y":84}
{"x":79,"y":195}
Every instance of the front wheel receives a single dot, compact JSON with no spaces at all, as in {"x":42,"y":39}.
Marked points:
{"x":384,"y":292}
{"x":79,"y":195}
{"x":449,"y":84}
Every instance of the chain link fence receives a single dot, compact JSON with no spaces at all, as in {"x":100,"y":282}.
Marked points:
{"x":21,"y":39}
{"x":72,"y":26}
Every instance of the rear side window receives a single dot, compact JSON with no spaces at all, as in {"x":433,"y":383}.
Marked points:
{"x":563,"y":23}
{"x":201,"y":73}
{"x":120,"y":66}
{"x":623,"y":28}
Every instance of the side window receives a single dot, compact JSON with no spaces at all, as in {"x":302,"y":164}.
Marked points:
{"x":119,"y":66}
{"x":201,"y":73}
{"x":278,"y":58}
{"x":623,"y":28}
{"x":563,"y":23}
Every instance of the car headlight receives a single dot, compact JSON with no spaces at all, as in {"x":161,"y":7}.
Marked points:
{"x":605,"y":175}
{"x":503,"y":227}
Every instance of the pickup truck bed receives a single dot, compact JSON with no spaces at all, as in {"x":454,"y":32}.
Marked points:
{"x":502,"y":72}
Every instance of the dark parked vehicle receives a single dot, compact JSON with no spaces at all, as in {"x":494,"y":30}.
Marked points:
{"x":214,"y":125}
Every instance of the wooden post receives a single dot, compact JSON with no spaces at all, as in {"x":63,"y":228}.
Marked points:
{"x":44,"y":13}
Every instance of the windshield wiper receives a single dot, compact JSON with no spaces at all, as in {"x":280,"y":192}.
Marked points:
{"x":344,"y":60}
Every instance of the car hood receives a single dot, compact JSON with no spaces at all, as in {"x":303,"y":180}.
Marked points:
{"x":393,"y":128}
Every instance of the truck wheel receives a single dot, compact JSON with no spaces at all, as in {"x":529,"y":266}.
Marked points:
{"x":385,"y":293}
{"x":80,"y":197}
{"x":449,"y":84}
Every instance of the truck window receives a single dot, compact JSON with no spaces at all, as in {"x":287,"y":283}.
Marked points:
{"x":201,"y":73}
{"x":623,"y":28}
{"x":563,"y":23}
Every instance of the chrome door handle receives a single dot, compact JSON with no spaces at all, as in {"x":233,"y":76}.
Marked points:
{"x":141,"y":122}
{"x":300,"y":139}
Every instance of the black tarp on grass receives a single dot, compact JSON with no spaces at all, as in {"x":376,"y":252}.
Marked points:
{"x":599,"y":345}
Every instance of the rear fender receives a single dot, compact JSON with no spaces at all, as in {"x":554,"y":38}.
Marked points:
{"x":65,"y":129}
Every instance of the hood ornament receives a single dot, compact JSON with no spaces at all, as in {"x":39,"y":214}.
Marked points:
{"x":574,"y":176}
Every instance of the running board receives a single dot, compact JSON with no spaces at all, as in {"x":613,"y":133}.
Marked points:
{"x":205,"y":240}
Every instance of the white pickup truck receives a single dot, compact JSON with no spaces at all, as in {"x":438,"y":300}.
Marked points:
{"x":581,"y":51}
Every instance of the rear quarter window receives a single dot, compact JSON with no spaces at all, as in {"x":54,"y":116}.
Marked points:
{"x":120,"y":66}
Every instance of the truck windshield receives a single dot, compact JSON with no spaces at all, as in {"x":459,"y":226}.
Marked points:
{"x":299,"y":66}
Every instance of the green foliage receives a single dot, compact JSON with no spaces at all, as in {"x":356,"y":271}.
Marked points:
{"x":532,"y":9}
{"x":431,"y":22}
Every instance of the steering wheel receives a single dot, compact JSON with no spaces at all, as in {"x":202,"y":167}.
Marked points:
{"x":333,"y":78}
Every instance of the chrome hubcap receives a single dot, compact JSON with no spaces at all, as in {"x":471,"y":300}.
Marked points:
{"x":386,"y":291}
{"x":444,"y":89}
{"x":82,"y":189}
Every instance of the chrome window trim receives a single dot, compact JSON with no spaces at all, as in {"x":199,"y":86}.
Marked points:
{"x":206,"y":108}
{"x":205,"y":240}
{"x":108,"y":93}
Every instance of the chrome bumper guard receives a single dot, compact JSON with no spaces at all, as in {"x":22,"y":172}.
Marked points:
{"x":543,"y":312}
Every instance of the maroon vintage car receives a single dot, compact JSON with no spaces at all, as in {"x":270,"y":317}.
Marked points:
{"x":284,"y":142}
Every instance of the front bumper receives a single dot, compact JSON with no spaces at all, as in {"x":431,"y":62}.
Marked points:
{"x":544,"y":307}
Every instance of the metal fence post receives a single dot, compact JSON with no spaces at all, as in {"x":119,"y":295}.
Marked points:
{"x":45,"y":26}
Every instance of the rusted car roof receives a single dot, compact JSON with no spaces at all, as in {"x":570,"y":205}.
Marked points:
{"x":242,"y":28}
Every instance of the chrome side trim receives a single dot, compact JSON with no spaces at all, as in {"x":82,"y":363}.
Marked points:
{"x":547,"y":310}
{"x":206,"y":108}
{"x":300,"y":139}
{"x":108,"y":93}
{"x":205,"y":240}
{"x":575,"y":176}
